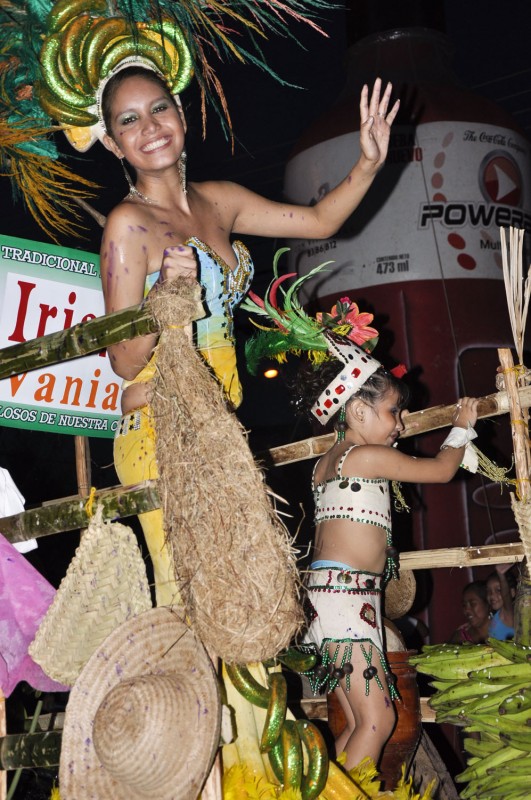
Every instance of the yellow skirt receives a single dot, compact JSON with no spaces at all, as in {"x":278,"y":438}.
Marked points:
{"x":135,"y":461}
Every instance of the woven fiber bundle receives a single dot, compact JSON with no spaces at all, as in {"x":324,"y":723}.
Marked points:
{"x":522,"y":514}
{"x":105,"y":585}
{"x":233,"y":558}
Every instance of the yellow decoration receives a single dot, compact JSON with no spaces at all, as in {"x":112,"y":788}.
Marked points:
{"x":240,"y":783}
{"x":247,"y":774}
{"x":80,"y":138}
{"x":404,"y":789}
{"x":365,"y":775}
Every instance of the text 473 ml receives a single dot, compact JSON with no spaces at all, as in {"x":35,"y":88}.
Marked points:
{"x":387,"y":265}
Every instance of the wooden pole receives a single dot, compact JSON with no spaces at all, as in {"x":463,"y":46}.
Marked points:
{"x":518,"y":425}
{"x":69,"y":513}
{"x":30,"y":750}
{"x":83,"y":471}
{"x":101,"y":219}
{"x":415,"y":423}
{"x":79,"y":340}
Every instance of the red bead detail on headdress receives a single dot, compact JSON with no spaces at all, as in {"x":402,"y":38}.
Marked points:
{"x":340,"y":389}
{"x":356,"y":372}
{"x":327,"y":403}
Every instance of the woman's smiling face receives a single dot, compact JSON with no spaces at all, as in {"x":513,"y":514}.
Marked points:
{"x":494,"y":595}
{"x":475,"y":609}
{"x":146,"y":125}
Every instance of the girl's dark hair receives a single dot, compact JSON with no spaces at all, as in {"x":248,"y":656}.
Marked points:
{"x":478,"y":588}
{"x":116,"y":81}
{"x":311,"y":381}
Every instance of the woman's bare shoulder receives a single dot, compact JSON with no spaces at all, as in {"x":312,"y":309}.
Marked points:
{"x":219,"y":192}
{"x":125,"y":213}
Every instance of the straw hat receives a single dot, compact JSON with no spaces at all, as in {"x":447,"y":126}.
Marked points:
{"x":143,"y":719}
{"x":400,"y":594}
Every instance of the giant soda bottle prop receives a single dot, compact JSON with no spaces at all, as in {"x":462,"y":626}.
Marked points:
{"x":423,"y":250}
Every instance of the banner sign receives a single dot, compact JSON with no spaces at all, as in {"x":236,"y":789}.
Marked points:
{"x":44,"y":289}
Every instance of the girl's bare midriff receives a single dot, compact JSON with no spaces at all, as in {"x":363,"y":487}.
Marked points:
{"x":360,"y":546}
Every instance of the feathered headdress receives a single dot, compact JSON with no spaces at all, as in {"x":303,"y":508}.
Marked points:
{"x":54,"y":57}
{"x":344,"y":334}
{"x":294,"y":331}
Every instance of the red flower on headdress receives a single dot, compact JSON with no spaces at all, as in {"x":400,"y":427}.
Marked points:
{"x":360,"y":331}
{"x":346,"y":319}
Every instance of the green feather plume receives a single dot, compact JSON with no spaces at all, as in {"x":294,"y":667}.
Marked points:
{"x":293,"y":330}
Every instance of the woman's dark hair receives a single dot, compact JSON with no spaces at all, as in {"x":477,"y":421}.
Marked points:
{"x":478,"y":588}
{"x":311,"y":381}
{"x":116,"y":81}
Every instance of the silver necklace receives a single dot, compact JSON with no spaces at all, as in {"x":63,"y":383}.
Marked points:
{"x":134,"y":192}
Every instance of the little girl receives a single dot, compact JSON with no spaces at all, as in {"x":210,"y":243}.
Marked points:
{"x":353,"y":554}
{"x":501,"y":591}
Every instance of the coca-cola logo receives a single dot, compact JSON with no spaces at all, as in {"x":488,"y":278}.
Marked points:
{"x":500,"y":179}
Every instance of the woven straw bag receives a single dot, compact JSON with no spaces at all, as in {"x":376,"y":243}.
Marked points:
{"x":105,"y":585}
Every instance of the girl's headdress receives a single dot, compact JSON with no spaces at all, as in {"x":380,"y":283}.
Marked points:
{"x":56,"y":57}
{"x":358,"y":365}
{"x":344,"y":334}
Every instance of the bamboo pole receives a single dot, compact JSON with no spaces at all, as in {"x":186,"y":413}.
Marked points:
{"x":30,"y":750}
{"x":83,"y":471}
{"x":448,"y":557}
{"x":415,"y":423}
{"x":79,"y":340}
{"x":521,"y":503}
{"x":518,"y":425}
{"x":119,"y":501}
{"x":70,"y":514}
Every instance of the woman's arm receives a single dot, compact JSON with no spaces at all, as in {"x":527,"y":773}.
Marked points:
{"x":124,"y":263}
{"x":507,"y":609}
{"x":256,"y":215}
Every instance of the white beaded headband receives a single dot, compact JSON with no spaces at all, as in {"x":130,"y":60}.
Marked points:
{"x":357,"y":367}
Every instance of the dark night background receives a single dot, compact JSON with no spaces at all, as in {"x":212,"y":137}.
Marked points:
{"x":491,"y":57}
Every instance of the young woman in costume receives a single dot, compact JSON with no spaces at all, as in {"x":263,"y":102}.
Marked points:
{"x":107,"y":72}
{"x":166,"y":229}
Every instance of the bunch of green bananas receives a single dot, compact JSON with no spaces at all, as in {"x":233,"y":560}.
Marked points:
{"x":486,"y":689}
{"x":83,"y":46}
{"x":284,"y":739}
